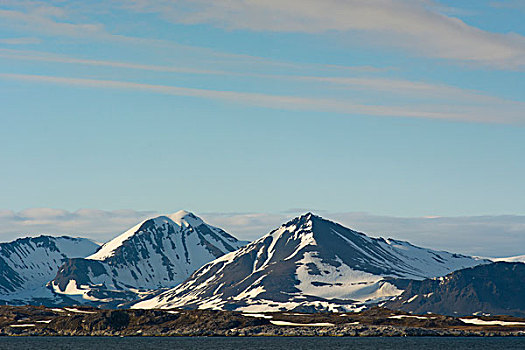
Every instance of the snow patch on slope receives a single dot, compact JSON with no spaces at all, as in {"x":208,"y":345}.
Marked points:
{"x":480,"y":322}
{"x":108,"y":249}
{"x":340,"y":282}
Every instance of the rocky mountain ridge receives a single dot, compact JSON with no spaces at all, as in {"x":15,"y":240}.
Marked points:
{"x":310,"y":264}
{"x":157,"y":253}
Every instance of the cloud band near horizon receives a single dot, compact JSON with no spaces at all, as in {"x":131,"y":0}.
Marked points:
{"x":489,"y":236}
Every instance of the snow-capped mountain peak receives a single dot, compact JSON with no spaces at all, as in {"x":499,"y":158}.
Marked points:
{"x":175,"y":223}
{"x":308,"y":262}
{"x":157,"y":253}
{"x":185,"y":218}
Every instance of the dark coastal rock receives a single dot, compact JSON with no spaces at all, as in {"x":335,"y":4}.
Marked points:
{"x":82,"y":321}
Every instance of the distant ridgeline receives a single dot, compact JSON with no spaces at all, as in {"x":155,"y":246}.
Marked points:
{"x":308,"y":264}
{"x":27,"y":264}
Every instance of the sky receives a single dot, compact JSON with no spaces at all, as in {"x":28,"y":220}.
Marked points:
{"x":406,"y":110}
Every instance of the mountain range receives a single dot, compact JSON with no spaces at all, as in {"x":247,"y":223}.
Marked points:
{"x":308,"y":264}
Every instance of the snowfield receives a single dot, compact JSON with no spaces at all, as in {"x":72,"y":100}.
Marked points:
{"x":480,"y":322}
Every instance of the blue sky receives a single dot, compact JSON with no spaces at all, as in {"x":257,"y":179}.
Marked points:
{"x":399,"y":108}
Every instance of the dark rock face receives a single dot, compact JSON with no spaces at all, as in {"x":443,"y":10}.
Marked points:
{"x":10,"y":280}
{"x":79,"y":270}
{"x":308,"y":263}
{"x":497,"y":289}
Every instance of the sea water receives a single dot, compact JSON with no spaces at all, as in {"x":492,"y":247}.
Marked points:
{"x":256,"y":343}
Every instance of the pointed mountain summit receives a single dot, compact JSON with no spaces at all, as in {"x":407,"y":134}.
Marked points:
{"x":309,"y":263}
{"x":180,"y":227}
{"x":157,"y":253}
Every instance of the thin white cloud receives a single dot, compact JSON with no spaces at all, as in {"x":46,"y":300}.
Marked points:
{"x":40,"y":19}
{"x":492,"y":236}
{"x":298,"y":103}
{"x":406,"y":87}
{"x":414,"y":25}
{"x":408,"y":24}
{"x":397,"y":86}
{"x":39,"y":56}
{"x":20,"y":41}
{"x":49,"y":20}
{"x":47,"y":57}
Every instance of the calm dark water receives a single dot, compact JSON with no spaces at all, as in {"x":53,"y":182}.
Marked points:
{"x":274,"y":343}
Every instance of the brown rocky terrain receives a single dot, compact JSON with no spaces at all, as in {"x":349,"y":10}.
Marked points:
{"x":41,"y":321}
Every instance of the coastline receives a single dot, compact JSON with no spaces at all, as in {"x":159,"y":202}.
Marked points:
{"x":376,"y":322}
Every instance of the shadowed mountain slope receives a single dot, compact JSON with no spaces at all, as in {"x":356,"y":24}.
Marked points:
{"x":308,"y":264}
{"x":497,"y":289}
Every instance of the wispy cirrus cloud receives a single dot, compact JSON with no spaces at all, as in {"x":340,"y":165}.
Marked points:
{"x":299,"y":103}
{"x":20,"y":41}
{"x":421,"y":27}
{"x":492,"y":236}
{"x":413,"y":25}
{"x":402,"y":86}
{"x":38,"y":17}
{"x":43,"y":19}
{"x":39,"y":56}
{"x":398,"y":86}
{"x":443,"y":102}
{"x":48,"y":57}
